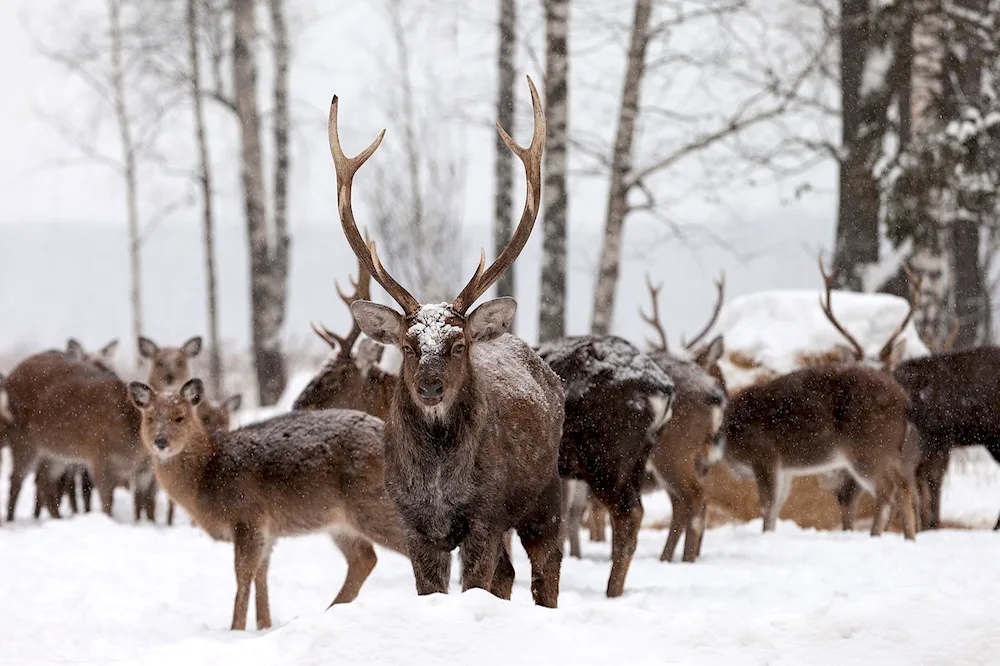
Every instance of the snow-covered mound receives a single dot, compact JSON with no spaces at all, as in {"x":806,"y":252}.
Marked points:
{"x":775,"y":330}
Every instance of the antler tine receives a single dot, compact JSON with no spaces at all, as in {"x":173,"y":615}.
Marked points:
{"x":654,"y":319}
{"x":827,"y":307}
{"x":346,"y":168}
{"x":330,"y":338}
{"x":720,"y":289}
{"x":915,"y":282}
{"x":531,"y":157}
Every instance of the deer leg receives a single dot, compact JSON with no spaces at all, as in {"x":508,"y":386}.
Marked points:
{"x":249,"y":549}
{"x":170,"y":512}
{"x":104,"y":481}
{"x":540,"y":534}
{"x":695,"y":527}
{"x":262,"y":602}
{"x":704,"y":525}
{"x":997,"y":526}
{"x":431,"y":565}
{"x":86,"y":488}
{"x":503,"y":577}
{"x":55,"y":486}
{"x":361,"y":560}
{"x":678,"y":520}
{"x":23,"y":459}
{"x":68,"y":487}
{"x":769,"y":482}
{"x":575,"y":494}
{"x":847,"y":498}
{"x":624,"y":537}
{"x":42,"y":489}
{"x":480,"y":553}
{"x":597,"y":520}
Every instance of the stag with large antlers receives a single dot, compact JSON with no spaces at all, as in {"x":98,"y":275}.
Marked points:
{"x":350,"y":379}
{"x":473,"y":429}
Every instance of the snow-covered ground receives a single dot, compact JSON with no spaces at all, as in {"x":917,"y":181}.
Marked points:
{"x":91,"y":590}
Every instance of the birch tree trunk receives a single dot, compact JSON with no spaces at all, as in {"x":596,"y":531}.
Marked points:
{"x":282,"y":123}
{"x":552,"y":308}
{"x":504,"y":159}
{"x":129,"y":167}
{"x":621,"y":166}
{"x":267,"y":312}
{"x":208,"y":219}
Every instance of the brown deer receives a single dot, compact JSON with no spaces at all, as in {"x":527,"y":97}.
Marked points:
{"x":850,"y":417}
{"x":216,"y":419}
{"x":169,"y":368}
{"x":299,"y":473}
{"x":472,"y":434}
{"x":691,"y":442}
{"x":350,"y":380}
{"x":76,"y":412}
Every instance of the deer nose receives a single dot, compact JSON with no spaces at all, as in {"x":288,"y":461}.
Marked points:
{"x":169,"y":378}
{"x":160,"y":441}
{"x":431,"y":389}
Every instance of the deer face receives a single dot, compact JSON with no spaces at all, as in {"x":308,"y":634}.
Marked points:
{"x":217,"y":418}
{"x":170,"y":421}
{"x":435,"y":342}
{"x":170,"y":366}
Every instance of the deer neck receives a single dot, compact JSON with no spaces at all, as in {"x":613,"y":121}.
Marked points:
{"x":181,"y":474}
{"x":441,"y":429}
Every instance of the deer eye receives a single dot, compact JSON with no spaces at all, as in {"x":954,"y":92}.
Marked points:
{"x":408,"y":350}
{"x":179,"y":419}
{"x":458,"y":348}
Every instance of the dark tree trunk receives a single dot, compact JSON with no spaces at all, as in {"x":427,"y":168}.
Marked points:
{"x":552,"y":307}
{"x":970,"y":295}
{"x":504,"y":159}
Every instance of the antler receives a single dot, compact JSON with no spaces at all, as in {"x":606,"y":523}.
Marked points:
{"x":362,"y":291}
{"x":365,"y":251}
{"x":720,"y":288}
{"x":859,"y":351}
{"x":654,"y":319}
{"x":531,"y":157}
{"x":915,"y":282}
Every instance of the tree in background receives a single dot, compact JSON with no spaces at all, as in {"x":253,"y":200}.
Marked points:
{"x":503,"y":158}
{"x":552,"y":308}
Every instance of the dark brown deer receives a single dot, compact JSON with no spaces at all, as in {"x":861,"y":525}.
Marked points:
{"x":299,"y":473}
{"x":76,"y":412}
{"x":953,"y":403}
{"x":689,"y":443}
{"x":169,"y":368}
{"x":617,"y":402}
{"x":472,"y":433}
{"x":350,"y":380}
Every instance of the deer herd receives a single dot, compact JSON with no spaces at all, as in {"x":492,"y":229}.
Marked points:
{"x":480,"y":436}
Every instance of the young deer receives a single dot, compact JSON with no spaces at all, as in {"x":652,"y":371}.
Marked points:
{"x":299,"y":473}
{"x":216,"y":419}
{"x":169,"y":368}
{"x":350,"y":380}
{"x":472,"y":434}
{"x":691,"y":442}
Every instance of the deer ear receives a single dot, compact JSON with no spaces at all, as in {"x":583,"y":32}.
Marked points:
{"x":492,"y":319}
{"x":192,"y":347}
{"x":75,"y":350}
{"x":108,"y":351}
{"x":378,"y":322}
{"x":147,"y":348}
{"x":192,"y":391}
{"x":710,"y":354}
{"x":140,"y":394}
{"x":233,"y":402}
{"x":844,"y":354}
{"x":895,"y":355}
